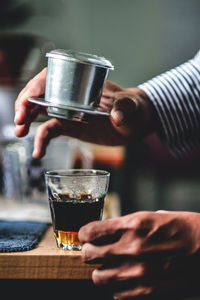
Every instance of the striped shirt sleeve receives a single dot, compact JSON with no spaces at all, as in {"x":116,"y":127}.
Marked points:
{"x":176,"y":98}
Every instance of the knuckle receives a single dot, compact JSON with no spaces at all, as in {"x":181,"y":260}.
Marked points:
{"x":90,"y":253}
{"x":138,"y":223}
{"x":34,"y":89}
{"x":84,"y":234}
{"x":85,"y":253}
{"x":20,"y":100}
{"x":143,"y":223}
{"x":89,"y":232}
{"x":140,"y":219}
{"x":136,"y":249}
{"x":141,"y":270}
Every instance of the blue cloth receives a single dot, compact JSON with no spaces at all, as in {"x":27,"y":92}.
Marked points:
{"x":20,"y":235}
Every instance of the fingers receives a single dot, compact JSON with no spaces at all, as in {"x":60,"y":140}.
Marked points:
{"x":127,"y":277}
{"x":110,"y":89}
{"x":108,"y":95}
{"x":123,"y":281}
{"x":96,"y":254}
{"x":22,"y":129}
{"x":106,"y":103}
{"x":24,"y":110}
{"x":128,"y":292}
{"x":122,"y":269}
{"x":98,"y":230}
{"x":123,"y":117}
{"x":123,"y":109}
{"x":126,"y":268}
{"x":44,"y":134}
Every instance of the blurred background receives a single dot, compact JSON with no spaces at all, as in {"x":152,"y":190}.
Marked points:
{"x":142,"y":39}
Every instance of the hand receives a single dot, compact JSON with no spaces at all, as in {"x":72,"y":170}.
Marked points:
{"x":145,"y":255}
{"x":130,"y":117}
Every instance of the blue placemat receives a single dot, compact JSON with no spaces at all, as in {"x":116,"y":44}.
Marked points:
{"x":20,"y":235}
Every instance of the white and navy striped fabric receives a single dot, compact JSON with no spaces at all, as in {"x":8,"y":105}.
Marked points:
{"x":176,"y":97}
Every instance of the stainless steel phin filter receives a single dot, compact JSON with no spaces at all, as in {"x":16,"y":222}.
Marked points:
{"x":74,"y":84}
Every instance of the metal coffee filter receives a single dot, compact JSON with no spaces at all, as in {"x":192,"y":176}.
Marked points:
{"x":74,"y":84}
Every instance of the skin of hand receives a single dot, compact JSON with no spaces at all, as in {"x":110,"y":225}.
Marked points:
{"x":131,"y":117}
{"x":145,"y":255}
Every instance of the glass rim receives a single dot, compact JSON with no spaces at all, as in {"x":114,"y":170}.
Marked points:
{"x":77,"y":173}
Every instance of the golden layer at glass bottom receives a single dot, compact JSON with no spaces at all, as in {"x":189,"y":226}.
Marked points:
{"x":67,"y":240}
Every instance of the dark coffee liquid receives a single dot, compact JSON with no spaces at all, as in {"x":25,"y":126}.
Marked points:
{"x":70,"y":215}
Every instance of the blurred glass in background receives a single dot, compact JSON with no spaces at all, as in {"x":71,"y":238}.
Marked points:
{"x":142,"y":39}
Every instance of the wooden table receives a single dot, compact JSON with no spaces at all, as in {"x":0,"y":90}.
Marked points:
{"x":46,"y":261}
{"x":47,"y":270}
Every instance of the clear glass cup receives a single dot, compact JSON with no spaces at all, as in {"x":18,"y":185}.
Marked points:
{"x":76,"y":197}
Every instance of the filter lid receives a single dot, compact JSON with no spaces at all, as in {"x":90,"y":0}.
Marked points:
{"x":81,"y":57}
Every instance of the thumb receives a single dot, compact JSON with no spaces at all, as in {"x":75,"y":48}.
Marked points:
{"x":123,"y":110}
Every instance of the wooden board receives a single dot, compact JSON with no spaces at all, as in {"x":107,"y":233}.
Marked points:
{"x":44,"y":262}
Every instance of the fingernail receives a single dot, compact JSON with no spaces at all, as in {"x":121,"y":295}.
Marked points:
{"x":118,"y":116}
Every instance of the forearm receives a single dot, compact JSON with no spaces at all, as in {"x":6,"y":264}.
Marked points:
{"x":175,"y":96}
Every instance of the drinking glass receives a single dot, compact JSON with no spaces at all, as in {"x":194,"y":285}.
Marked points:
{"x":76,"y":197}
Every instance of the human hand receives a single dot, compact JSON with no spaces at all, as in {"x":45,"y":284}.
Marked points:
{"x":130,"y":117}
{"x":145,"y":255}
{"x":25,"y":111}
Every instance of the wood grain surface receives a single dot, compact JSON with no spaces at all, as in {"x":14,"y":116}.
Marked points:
{"x":46,"y":261}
